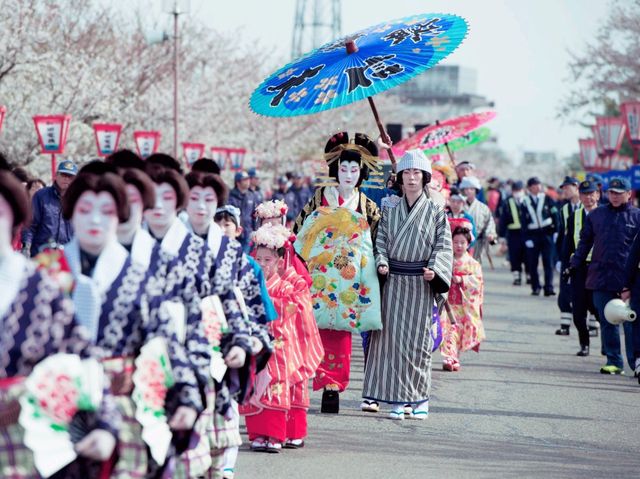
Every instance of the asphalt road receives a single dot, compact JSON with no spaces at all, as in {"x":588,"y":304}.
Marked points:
{"x":526,"y":406}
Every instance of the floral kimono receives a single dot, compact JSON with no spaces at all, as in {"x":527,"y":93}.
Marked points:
{"x":465,"y":299}
{"x":36,"y":321}
{"x":335,"y":238}
{"x":268,"y":416}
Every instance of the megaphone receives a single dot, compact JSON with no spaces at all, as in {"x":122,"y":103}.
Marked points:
{"x":617,"y":312}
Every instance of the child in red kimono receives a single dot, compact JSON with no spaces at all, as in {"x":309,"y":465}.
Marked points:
{"x":277,"y":413}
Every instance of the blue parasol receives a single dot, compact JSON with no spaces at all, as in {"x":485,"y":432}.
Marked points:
{"x":359,"y":66}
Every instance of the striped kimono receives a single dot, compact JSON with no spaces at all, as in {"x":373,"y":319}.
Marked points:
{"x":398,"y":369}
{"x":484,"y":225}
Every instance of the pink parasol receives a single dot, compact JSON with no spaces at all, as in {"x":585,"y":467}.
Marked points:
{"x":443,"y":132}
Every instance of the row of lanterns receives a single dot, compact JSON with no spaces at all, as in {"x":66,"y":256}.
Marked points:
{"x":52,"y":133}
{"x":601,"y":151}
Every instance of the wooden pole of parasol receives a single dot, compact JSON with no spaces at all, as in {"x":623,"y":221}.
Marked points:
{"x":383,"y":133}
{"x":447,"y":308}
{"x":351,"y":47}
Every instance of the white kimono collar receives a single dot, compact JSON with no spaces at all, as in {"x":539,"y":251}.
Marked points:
{"x":12,"y":270}
{"x":142,"y":247}
{"x":174,"y":238}
{"x":331,"y":194}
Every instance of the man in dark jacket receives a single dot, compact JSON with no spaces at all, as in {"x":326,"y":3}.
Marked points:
{"x":245,"y":200}
{"x":281,"y":192}
{"x":47,"y":224}
{"x":297,"y":196}
{"x":581,"y":297}
{"x":540,"y":222}
{"x":510,"y":227}
{"x":609,"y":230}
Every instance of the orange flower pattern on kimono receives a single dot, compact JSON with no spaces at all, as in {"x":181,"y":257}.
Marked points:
{"x":465,"y":299}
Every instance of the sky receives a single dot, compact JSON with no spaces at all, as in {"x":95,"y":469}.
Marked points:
{"x":519,"y":48}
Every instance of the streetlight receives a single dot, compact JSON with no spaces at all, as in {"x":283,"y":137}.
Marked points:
{"x":175,"y":8}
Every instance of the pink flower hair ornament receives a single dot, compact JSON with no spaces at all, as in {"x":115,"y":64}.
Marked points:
{"x":271,"y":209}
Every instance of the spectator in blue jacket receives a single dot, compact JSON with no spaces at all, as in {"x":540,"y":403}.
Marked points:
{"x":610,"y":230}
{"x":244,"y":199}
{"x":281,"y":192}
{"x":297,"y":196}
{"x":47,"y":224}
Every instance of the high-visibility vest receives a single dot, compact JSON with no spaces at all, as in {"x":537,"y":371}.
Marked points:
{"x":537,"y":222}
{"x":577,"y":227}
{"x":515,"y":215}
{"x":566,"y":212}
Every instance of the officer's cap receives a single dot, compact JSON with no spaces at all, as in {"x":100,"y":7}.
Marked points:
{"x":587,"y":187}
{"x":619,"y":185}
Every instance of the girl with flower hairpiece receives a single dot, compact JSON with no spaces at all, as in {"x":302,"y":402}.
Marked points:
{"x":336,"y":233}
{"x":295,"y":272}
{"x":277,"y":413}
{"x":465,"y":330}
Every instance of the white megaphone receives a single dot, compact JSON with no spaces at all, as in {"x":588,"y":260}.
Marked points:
{"x":617,"y":311}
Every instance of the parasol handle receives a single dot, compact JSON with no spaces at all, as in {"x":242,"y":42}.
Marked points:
{"x":451,"y":157}
{"x":383,"y":133}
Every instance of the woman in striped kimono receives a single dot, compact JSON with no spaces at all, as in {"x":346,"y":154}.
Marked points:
{"x":414,"y":251}
{"x":36,"y":321}
{"x":482,"y":217}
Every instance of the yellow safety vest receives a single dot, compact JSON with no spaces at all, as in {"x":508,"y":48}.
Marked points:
{"x":577,"y":227}
{"x":515,"y":215}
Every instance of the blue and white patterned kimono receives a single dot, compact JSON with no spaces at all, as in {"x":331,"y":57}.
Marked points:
{"x":36,"y":321}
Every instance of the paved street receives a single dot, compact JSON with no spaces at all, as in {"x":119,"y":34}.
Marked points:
{"x":526,"y":406}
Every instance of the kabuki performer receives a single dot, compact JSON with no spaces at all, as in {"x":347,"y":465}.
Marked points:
{"x":36,"y":321}
{"x":214,"y":278}
{"x":466,"y":330}
{"x":336,"y":232}
{"x":414,"y":251}
{"x":278,"y":415}
{"x":109,"y":295}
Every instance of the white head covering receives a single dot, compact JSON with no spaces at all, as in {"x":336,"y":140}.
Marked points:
{"x":415,"y":159}
{"x":470,"y":182}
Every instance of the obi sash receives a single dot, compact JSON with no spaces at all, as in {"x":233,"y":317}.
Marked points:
{"x":120,"y":373}
{"x":404,"y":268}
{"x":10,"y":389}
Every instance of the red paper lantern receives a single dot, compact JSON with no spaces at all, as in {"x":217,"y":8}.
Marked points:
{"x":52,"y":135}
{"x":192,"y":152}
{"x":3,"y":112}
{"x":611,"y":131}
{"x":107,"y":137}
{"x":147,"y":142}
{"x":236,"y":158}
{"x":631,"y":115}
{"x":588,"y":153}
{"x":596,"y":137}
{"x":220,"y":155}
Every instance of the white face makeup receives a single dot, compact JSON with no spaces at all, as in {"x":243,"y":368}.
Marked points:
{"x":348,"y":174}
{"x":268,"y":261}
{"x":6,"y":225}
{"x":201,"y":208}
{"x":163,"y":214}
{"x":95,"y":221}
{"x":126,"y":231}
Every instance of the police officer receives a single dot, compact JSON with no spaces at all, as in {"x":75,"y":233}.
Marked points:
{"x":510,"y":228}
{"x":609,"y":230}
{"x":581,"y":297}
{"x":539,"y":217}
{"x":571,"y":203}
